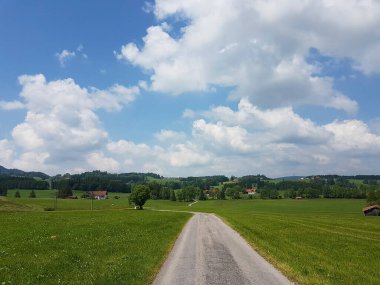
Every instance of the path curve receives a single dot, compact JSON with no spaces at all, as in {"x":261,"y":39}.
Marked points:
{"x":210,"y":252}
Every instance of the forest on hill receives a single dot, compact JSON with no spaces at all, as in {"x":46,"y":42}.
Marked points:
{"x":202,"y":187}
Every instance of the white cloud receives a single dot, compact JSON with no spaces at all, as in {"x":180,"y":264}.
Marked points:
{"x":25,"y":136}
{"x":32,"y":161}
{"x":279,"y":125}
{"x":259,"y":48}
{"x":6,"y":153}
{"x":61,"y":130}
{"x":176,"y":159}
{"x":185,"y":155}
{"x":114,"y":98}
{"x":129,"y":148}
{"x":188,"y":113}
{"x":170,"y":136}
{"x":353,"y":136}
{"x":64,"y":56}
{"x":235,"y":138}
{"x":11,"y":105}
{"x":97,"y":160}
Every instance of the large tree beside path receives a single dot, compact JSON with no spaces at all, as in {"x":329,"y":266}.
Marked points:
{"x":140,"y":194}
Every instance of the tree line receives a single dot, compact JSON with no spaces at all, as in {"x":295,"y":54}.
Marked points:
{"x":16,"y":182}
{"x":204,"y":187}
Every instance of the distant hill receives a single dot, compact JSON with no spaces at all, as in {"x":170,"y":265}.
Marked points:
{"x":17,"y":172}
{"x":289,"y":178}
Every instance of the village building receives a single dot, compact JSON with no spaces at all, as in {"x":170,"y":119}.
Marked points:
{"x":372,"y":210}
{"x":98,"y":195}
{"x":251,"y":191}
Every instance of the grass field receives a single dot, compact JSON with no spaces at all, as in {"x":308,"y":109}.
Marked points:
{"x":318,"y":241}
{"x":86,"y":247}
{"x":312,"y":241}
{"x":46,"y":199}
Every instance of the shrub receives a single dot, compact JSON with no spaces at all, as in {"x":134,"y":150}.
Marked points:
{"x":49,"y":209}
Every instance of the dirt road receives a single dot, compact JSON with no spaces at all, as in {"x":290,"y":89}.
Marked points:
{"x":210,"y":252}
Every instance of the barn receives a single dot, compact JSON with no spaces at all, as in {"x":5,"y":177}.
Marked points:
{"x":372,"y":210}
{"x":98,"y":195}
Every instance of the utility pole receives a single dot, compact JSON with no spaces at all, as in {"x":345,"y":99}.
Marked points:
{"x":56,"y":200}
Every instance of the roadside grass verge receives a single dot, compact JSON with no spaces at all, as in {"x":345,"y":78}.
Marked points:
{"x":317,"y":242}
{"x":86,"y":247}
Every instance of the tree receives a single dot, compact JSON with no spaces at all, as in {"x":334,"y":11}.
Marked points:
{"x":221,"y":195}
{"x":17,"y":194}
{"x":202,"y":195}
{"x":172,"y":196}
{"x":155,"y":190}
{"x":32,"y":194}
{"x":234,"y":192}
{"x":64,"y":189}
{"x":139,"y":195}
{"x":3,"y":189}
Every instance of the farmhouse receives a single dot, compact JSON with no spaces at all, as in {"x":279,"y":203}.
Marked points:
{"x":372,"y":210}
{"x":98,"y":195}
{"x":251,"y":191}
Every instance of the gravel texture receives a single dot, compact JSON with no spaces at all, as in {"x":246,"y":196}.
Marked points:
{"x":210,"y":252}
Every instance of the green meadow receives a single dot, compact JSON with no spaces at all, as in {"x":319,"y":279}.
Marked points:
{"x":46,"y":199}
{"x":320,"y":241}
{"x":85,"y":247}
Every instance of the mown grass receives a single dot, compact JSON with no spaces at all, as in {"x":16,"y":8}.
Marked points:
{"x":85,"y":247}
{"x":46,"y":199}
{"x":311,"y":241}
{"x":51,"y":193}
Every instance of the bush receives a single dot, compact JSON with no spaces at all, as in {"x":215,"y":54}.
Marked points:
{"x":49,"y":209}
{"x":32,"y":194}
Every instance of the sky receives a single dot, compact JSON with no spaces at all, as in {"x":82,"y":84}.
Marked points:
{"x":190,"y":87}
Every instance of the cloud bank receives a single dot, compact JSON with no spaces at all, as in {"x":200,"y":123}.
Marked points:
{"x":258,"y":47}
{"x":260,"y":50}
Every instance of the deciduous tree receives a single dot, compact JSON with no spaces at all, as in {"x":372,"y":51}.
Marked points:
{"x":140,"y":194}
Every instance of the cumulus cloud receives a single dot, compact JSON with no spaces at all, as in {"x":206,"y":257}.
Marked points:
{"x":115,"y":97}
{"x":6,"y":153}
{"x":168,"y":135}
{"x":97,"y":160}
{"x":258,"y":47}
{"x":11,"y":105}
{"x":260,"y":50}
{"x":354,"y":136}
{"x":32,"y":161}
{"x":176,"y":159}
{"x":64,"y":56}
{"x":62,"y":128}
{"x":235,"y":138}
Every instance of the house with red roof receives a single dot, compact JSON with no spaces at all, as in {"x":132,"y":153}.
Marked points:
{"x":98,"y":195}
{"x":251,"y":191}
{"x":373,"y":210}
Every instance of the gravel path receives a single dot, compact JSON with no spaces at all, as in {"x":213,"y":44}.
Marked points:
{"x":210,"y":252}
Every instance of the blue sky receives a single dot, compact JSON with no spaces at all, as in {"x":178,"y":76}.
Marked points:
{"x":186,"y":88}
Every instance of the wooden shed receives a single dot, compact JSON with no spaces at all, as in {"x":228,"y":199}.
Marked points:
{"x":372,"y":210}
